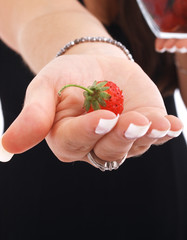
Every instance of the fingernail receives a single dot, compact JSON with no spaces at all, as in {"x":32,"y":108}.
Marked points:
{"x":172,"y":49}
{"x":157,"y":133}
{"x":182,"y":50}
{"x":174,"y":134}
{"x":162,"y":50}
{"x":105,"y":125}
{"x":4,"y":155}
{"x":134,"y":131}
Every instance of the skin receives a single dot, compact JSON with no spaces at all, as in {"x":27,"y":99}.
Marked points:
{"x":69,"y":132}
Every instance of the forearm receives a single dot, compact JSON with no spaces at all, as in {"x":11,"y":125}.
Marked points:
{"x":181,"y":62}
{"x":44,"y":28}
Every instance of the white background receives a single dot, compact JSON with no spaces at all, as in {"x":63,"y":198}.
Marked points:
{"x":182,"y":111}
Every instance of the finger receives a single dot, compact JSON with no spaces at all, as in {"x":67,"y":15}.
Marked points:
{"x":181,"y":45}
{"x":116,"y":144}
{"x":35,"y":120}
{"x":71,"y":139}
{"x":159,"y":44}
{"x":162,"y":129}
{"x":176,"y":127}
{"x":166,"y":45}
{"x":171,"y":45}
{"x":158,"y":130}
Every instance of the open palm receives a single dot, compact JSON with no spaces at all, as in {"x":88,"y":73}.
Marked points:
{"x":70,"y":133}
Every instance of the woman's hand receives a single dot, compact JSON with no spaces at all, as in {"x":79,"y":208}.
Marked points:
{"x":171,"y":45}
{"x":70,"y":133}
{"x":179,"y":48}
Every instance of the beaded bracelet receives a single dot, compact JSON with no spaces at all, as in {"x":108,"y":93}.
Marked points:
{"x":95,"y":39}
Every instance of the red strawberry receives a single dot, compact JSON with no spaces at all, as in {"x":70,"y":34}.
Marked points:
{"x":101,"y":95}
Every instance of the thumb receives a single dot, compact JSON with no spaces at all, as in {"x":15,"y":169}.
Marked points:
{"x":35,"y":120}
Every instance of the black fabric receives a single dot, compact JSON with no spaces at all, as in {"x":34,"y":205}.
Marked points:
{"x":43,"y":198}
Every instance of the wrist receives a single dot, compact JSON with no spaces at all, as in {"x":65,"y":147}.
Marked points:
{"x":96,"y":49}
{"x":104,"y":46}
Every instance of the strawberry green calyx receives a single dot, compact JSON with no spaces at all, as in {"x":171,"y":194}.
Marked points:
{"x":95,"y":95}
{"x":98,"y":97}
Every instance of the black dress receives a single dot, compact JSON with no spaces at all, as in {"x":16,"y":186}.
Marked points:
{"x":43,"y":198}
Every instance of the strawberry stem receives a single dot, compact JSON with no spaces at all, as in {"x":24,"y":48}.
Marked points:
{"x":75,"y":85}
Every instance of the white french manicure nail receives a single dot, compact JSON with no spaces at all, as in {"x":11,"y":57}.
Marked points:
{"x":174,"y":134}
{"x":4,"y":155}
{"x":105,"y":125}
{"x":134,"y":131}
{"x":182,"y":50}
{"x":172,"y":50}
{"x":157,"y":133}
{"x":161,"y":50}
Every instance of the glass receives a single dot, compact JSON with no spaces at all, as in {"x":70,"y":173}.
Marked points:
{"x":166,"y":18}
